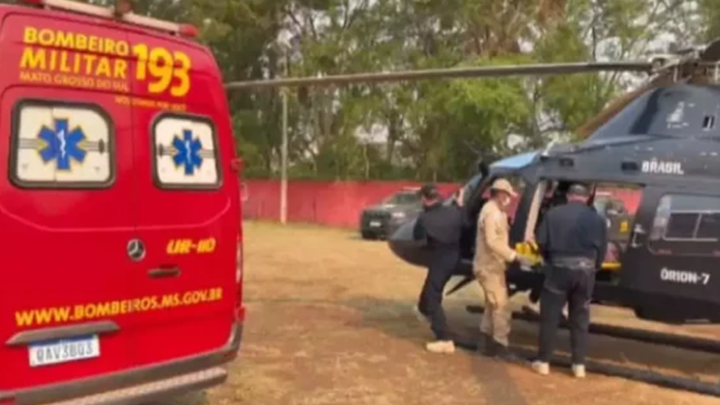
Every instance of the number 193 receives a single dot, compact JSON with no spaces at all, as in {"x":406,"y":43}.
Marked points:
{"x":163,"y":66}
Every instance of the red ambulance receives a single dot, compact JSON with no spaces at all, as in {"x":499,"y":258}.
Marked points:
{"x":119,"y":208}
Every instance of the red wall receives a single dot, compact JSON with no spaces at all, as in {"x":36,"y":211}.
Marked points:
{"x":321,"y":202}
{"x":340,"y":203}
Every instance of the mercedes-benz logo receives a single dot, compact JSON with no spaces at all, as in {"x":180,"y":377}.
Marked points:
{"x":136,"y":250}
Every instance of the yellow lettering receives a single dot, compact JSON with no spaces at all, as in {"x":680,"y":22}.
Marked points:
{"x":64,"y":62}
{"x":122,"y":48}
{"x":89,"y":59}
{"x":182,"y":73}
{"x":30,"y":36}
{"x":141,"y":51}
{"x":120,"y":70}
{"x":93,"y":44}
{"x":82,"y":312}
{"x":179,"y":246}
{"x":81,"y":42}
{"x":90,"y":311}
{"x":103,"y":310}
{"x":109,"y":46}
{"x":78,"y":313}
{"x":53,"y":59}
{"x":24,"y":318}
{"x":76,"y":66}
{"x":33,"y":59}
{"x":160,"y":66}
{"x":207,"y":245}
{"x":65,"y":40}
{"x":103,"y":68}
{"x":46,"y":37}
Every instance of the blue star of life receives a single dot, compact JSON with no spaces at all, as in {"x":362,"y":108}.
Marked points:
{"x":62,"y":144}
{"x":188,"y":152}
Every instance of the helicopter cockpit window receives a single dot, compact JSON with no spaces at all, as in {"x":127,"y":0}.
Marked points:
{"x":687,"y":224}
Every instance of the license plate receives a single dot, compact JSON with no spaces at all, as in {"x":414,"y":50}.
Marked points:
{"x":375,"y":224}
{"x":63,"y":351}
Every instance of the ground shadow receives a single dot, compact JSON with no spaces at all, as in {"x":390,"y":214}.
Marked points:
{"x":397,"y":319}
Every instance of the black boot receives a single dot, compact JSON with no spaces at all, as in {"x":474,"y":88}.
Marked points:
{"x":489,"y":345}
{"x":504,"y":353}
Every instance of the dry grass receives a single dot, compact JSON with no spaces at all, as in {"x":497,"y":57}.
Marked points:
{"x":329,"y":322}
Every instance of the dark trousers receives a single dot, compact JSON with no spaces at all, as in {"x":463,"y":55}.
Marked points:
{"x":443,"y":262}
{"x":562,"y":285}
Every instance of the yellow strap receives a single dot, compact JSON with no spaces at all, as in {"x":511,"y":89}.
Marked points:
{"x":531,"y":251}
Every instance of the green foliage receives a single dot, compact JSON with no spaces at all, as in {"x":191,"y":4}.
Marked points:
{"x":433,"y":130}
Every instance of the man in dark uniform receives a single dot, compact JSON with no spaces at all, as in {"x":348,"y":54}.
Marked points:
{"x":441,"y":226}
{"x":572,"y":239}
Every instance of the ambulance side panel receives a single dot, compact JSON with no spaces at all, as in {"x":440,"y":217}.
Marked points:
{"x":188,"y":214}
{"x":67,"y":210}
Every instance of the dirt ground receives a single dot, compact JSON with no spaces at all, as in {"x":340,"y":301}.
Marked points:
{"x":330,"y":322}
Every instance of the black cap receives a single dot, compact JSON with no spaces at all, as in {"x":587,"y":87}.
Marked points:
{"x":429,"y":191}
{"x":579,"y":189}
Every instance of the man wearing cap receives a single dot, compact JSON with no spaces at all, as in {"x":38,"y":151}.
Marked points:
{"x":572,"y":239}
{"x":441,"y":226}
{"x":492,"y":256}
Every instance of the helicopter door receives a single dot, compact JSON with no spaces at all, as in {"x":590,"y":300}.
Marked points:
{"x":674,"y":247}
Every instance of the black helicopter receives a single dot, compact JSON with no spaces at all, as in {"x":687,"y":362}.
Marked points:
{"x":666,"y":144}
{"x":662,"y":138}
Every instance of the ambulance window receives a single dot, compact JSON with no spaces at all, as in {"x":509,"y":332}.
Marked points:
{"x":61,"y":146}
{"x":185,"y":152}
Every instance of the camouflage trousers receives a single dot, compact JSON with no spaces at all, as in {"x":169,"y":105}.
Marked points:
{"x":497,"y":315}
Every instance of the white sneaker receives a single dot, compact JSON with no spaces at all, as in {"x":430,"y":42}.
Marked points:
{"x":566,"y":312}
{"x":541,"y":368}
{"x":578,"y":370}
{"x":420,"y":316}
{"x":532,"y":307}
{"x":441,"y":346}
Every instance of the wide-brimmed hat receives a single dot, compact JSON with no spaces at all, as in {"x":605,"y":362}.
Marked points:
{"x":503,"y":185}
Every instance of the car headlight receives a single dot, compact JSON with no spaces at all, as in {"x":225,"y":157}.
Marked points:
{"x":398,"y":215}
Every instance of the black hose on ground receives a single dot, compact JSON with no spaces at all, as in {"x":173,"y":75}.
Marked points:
{"x":612,"y":370}
{"x":659,"y":338}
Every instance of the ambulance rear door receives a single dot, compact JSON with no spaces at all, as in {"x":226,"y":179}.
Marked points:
{"x":67,"y":204}
{"x":188,"y":217}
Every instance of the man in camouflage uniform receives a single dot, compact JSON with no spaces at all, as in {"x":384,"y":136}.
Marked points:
{"x":493,"y":254}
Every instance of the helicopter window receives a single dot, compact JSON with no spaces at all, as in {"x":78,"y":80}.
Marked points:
{"x":682,"y":226}
{"x":690,"y":223}
{"x":709,"y":226}
{"x":709,"y":122}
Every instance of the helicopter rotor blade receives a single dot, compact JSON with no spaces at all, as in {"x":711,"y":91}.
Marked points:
{"x":711,"y":53}
{"x":462,"y":72}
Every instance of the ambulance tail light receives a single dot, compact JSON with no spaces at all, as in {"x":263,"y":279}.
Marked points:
{"x":123,"y":11}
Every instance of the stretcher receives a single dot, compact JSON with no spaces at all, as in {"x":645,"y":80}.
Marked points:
{"x":531,"y":251}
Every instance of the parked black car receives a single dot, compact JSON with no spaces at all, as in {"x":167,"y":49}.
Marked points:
{"x":380,"y":221}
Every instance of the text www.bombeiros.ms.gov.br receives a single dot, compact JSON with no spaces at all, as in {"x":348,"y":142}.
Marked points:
{"x":84,"y":312}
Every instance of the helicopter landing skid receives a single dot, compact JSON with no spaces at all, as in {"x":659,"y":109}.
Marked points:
{"x":650,"y":377}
